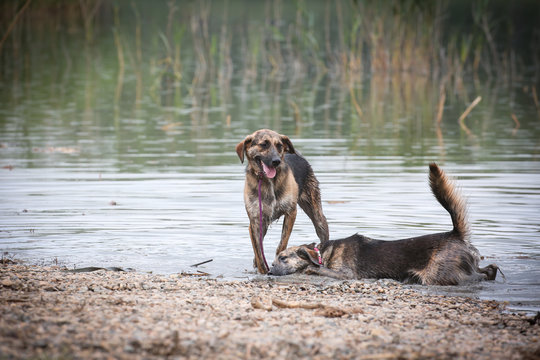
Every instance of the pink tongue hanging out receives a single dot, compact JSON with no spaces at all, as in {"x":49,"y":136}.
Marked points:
{"x":269,"y":171}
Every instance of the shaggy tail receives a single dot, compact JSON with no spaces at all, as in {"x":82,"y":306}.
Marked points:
{"x":450,"y":198}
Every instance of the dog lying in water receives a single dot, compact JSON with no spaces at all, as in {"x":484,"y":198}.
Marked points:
{"x":437,"y":259}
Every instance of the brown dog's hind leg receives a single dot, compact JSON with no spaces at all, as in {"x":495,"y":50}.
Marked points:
{"x":310,"y":202}
{"x":257,"y":250}
{"x":288,"y":223}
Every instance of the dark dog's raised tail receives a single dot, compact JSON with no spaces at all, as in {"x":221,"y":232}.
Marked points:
{"x":451,"y":199}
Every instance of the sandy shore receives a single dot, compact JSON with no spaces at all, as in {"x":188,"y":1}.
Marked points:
{"x":47,"y":312}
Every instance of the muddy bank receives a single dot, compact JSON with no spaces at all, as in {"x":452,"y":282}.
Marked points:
{"x":47,"y":312}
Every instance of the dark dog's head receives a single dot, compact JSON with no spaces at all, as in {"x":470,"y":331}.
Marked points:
{"x":294,"y":259}
{"x":264,"y":150}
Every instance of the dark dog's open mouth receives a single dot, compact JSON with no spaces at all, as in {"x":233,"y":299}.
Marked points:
{"x":269,"y":171}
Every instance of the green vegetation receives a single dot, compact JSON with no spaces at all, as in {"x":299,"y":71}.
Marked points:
{"x":345,"y":38}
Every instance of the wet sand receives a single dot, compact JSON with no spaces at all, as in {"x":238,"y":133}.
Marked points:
{"x":48,"y":312}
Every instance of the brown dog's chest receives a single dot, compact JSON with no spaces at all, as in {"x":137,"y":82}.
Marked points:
{"x":277,"y":197}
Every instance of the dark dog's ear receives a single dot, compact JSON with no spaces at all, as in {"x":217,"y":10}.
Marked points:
{"x":288,"y":144}
{"x":242,"y":147}
{"x":309,"y":255}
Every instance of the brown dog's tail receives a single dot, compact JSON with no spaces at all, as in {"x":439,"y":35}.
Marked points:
{"x":451,"y":199}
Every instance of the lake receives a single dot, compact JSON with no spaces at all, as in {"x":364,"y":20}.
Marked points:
{"x":109,"y":162}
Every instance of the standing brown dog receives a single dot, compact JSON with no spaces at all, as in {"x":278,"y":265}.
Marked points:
{"x":286,"y":180}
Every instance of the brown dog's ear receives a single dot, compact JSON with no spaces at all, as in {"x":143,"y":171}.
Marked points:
{"x":242,"y":147}
{"x":288,"y":144}
{"x":308,"y":254}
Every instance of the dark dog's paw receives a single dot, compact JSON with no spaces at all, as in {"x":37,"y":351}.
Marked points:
{"x":490,"y":272}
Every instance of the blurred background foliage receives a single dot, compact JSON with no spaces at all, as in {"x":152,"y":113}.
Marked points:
{"x":329,"y":67}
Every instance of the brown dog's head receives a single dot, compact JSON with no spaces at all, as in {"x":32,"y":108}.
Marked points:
{"x":264,"y":150}
{"x":294,"y":259}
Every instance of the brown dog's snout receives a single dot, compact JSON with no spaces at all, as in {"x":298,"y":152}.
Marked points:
{"x":273,"y":161}
{"x":275,"y":158}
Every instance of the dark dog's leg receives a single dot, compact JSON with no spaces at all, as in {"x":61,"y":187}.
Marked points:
{"x":310,"y":202}
{"x":255,"y":242}
{"x":288,"y":223}
{"x":323,"y":271}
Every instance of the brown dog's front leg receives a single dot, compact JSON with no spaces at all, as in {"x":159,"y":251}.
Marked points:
{"x":288,"y":223}
{"x":257,"y":250}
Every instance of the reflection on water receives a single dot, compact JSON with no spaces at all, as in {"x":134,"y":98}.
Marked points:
{"x":133,"y":165}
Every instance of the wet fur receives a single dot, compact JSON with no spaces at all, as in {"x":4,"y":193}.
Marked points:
{"x":446,"y":258}
{"x":294,"y":183}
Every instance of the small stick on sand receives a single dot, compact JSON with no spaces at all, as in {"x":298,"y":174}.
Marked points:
{"x":296,"y":304}
{"x":201,"y":263}
{"x":322,"y":310}
{"x":198,"y":273}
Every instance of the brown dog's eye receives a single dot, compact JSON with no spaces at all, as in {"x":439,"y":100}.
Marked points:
{"x":264,"y":144}
{"x":282,"y":258}
{"x":279,"y":147}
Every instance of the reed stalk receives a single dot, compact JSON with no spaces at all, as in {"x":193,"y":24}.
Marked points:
{"x":296,"y":112}
{"x":13,"y":22}
{"x":355,"y":102}
{"x":461,"y":119}
{"x":89,"y":10}
{"x":536,"y":102}
{"x":517,"y":124}
{"x":138,"y":56}
{"x":440,"y":106}
{"x":120,"y":55}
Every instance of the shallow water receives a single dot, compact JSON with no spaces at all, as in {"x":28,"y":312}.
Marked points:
{"x":94,"y":174}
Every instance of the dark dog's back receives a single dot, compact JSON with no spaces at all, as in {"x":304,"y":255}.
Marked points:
{"x":441,"y":258}
{"x":416,"y":260}
{"x":300,"y":169}
{"x":372,"y":258}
